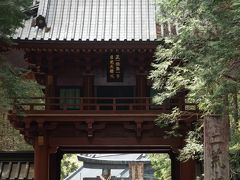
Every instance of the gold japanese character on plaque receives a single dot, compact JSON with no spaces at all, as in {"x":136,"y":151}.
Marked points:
{"x":111,"y":66}
{"x":117,"y":69}
{"x":112,"y":76}
{"x":111,"y":62}
{"x":118,"y":63}
{"x":114,"y":68}
{"x":111,"y":71}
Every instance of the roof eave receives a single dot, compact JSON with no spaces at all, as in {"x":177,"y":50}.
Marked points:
{"x":61,"y":44}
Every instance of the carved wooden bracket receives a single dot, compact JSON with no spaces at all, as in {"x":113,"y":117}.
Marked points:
{"x":90,"y":128}
{"x":28,"y":132}
{"x":137,"y":127}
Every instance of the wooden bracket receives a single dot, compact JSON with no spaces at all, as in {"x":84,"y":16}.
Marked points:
{"x":40,"y":128}
{"x":137,"y":127}
{"x":40,"y":125}
{"x":90,"y":128}
{"x":41,"y":140}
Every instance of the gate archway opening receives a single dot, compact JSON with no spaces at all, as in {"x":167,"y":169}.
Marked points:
{"x":176,"y":166}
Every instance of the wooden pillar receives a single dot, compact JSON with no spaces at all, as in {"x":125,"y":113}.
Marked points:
{"x":55,"y":165}
{"x":175,"y":171}
{"x":187,"y":170}
{"x":181,"y":170}
{"x":50,"y":91}
{"x":88,"y":85}
{"x":88,"y":90}
{"x":141,"y":84}
{"x":50,"y":83}
{"x":88,"y":78}
{"x":136,"y":171}
{"x":141,"y":76}
{"x":41,"y":158}
{"x":216,"y":157}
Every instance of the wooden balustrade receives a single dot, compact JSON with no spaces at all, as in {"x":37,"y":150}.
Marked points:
{"x":98,"y":104}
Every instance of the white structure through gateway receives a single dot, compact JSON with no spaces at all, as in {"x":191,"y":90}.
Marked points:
{"x":119,"y":166}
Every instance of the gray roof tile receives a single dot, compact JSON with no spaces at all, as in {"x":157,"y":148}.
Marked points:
{"x":16,"y":165}
{"x":94,"y":20}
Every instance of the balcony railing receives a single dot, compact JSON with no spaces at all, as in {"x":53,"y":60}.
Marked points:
{"x":97,"y":104}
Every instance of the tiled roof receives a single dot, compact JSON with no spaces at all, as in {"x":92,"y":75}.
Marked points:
{"x":84,"y":173}
{"x":93,"y":20}
{"x":124,"y":158}
{"x":16,"y":165}
{"x":94,"y":163}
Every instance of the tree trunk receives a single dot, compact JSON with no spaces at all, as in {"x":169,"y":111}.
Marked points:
{"x":235,"y":108}
{"x":216,"y":157}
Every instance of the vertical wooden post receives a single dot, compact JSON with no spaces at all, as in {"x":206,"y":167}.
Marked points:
{"x":88,"y":90}
{"x":175,"y":166}
{"x":88,"y":78}
{"x":141,"y":77}
{"x":216,"y":137}
{"x":50,"y":91}
{"x":88,"y":83}
{"x":181,"y":170}
{"x":136,"y":171}
{"x":40,"y":158}
{"x":55,"y":165}
{"x":187,"y":170}
{"x":141,"y":83}
{"x":50,"y":82}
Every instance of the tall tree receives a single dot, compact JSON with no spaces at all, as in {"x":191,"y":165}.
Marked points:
{"x":161,"y":164}
{"x":69,"y":164}
{"x":12,"y":84}
{"x":11,"y":16}
{"x":207,"y":49}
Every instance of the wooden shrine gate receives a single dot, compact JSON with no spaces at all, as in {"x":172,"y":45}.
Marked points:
{"x":93,"y":58}
{"x":96,"y":129}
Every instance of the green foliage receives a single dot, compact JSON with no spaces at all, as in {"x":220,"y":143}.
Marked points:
{"x":161,"y":164}
{"x":208,"y":46}
{"x":13,"y":85}
{"x":10,"y":139}
{"x":69,"y":164}
{"x":194,"y":146}
{"x":11,"y":16}
{"x":204,"y":59}
{"x":170,"y":122}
